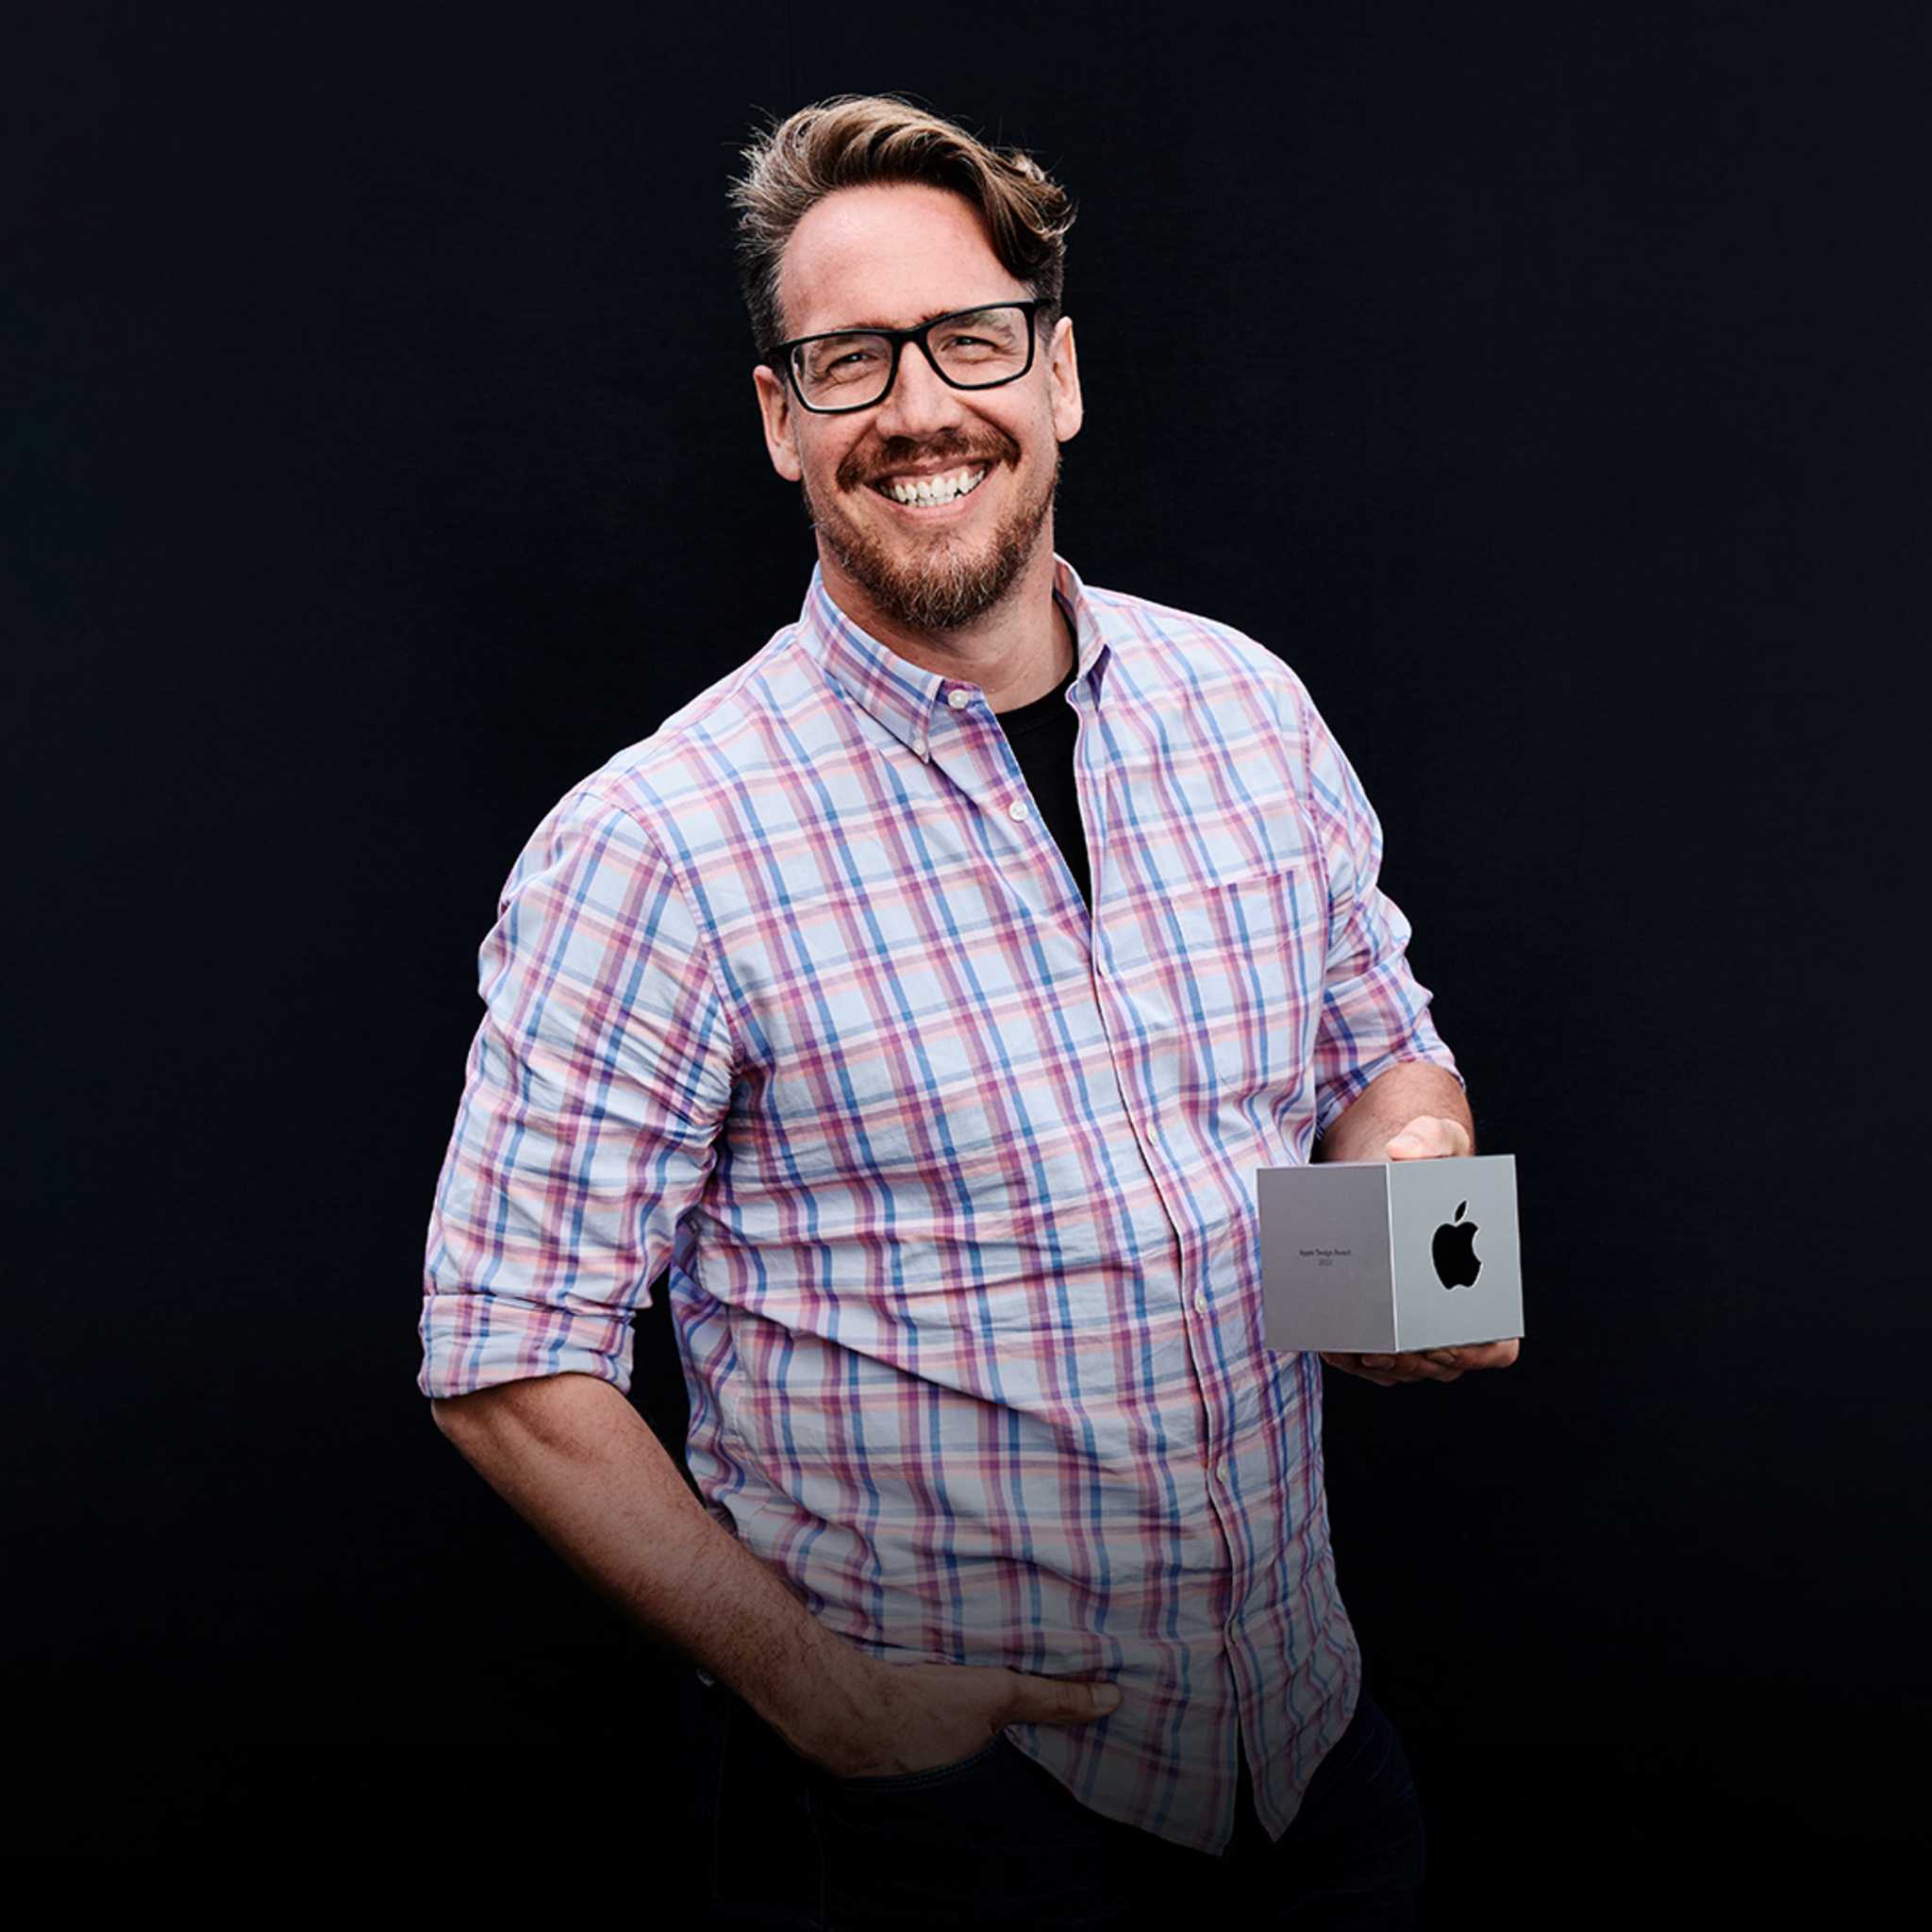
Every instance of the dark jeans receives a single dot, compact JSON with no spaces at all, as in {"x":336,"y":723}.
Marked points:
{"x":996,"y":1845}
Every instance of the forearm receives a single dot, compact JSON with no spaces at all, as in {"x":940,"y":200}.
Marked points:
{"x":1405,"y":1094}
{"x":582,"y":1467}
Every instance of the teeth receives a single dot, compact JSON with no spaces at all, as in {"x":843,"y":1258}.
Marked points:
{"x":932,"y":490}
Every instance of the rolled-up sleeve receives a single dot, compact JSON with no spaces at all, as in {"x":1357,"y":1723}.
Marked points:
{"x":596,"y":1089}
{"x":1374,"y":1011}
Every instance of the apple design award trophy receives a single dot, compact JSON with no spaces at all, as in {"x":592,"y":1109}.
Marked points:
{"x":1381,"y":1256}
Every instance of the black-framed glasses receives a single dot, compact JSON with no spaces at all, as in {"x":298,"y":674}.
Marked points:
{"x":855,"y":368}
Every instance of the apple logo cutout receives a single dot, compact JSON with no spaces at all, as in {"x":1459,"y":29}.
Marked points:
{"x":1454,"y":1253}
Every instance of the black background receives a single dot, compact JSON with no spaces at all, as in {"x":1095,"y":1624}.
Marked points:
{"x":1548,"y":384}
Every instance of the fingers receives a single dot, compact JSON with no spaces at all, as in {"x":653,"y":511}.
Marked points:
{"x":1430,"y":1137}
{"x":1430,"y":1365}
{"x":1489,"y":1354}
{"x":911,"y":1717}
{"x":1385,"y":1370}
{"x":1057,"y":1701}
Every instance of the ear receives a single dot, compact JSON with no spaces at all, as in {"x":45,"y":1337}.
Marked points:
{"x":781,"y":438}
{"x":1063,"y":381}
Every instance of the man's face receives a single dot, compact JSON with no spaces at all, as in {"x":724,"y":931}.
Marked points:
{"x":893,"y":257}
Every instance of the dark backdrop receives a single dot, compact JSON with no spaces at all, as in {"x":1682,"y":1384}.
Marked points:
{"x":1548,"y":384}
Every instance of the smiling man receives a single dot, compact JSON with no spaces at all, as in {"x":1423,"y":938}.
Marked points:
{"x":919,"y":1003}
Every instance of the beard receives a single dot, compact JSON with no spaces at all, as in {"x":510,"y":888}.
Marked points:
{"x":943,"y":586}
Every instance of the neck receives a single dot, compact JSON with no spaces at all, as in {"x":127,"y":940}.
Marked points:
{"x":1018,"y":650}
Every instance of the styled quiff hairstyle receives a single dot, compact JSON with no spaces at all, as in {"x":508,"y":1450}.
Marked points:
{"x":867,"y":141}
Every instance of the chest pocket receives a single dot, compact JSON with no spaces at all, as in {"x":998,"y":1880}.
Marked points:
{"x":1247,"y":960}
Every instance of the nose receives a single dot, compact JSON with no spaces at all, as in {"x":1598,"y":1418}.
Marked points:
{"x":920,"y":405}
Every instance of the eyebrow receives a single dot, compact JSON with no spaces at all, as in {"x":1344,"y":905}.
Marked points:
{"x":860,"y":328}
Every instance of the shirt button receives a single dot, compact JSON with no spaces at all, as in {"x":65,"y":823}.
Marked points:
{"x":1017,"y":810}
{"x":919,"y":747}
{"x":959,"y":699}
{"x":1220,"y":1472}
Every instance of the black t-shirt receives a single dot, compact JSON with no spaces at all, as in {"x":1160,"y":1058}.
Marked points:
{"x":1042,"y":734}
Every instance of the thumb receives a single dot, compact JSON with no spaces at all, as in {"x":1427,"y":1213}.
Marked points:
{"x":1057,"y":1701}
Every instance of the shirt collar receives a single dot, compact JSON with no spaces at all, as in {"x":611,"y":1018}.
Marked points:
{"x":899,"y":695}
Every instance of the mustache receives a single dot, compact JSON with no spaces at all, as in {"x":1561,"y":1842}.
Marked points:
{"x":865,"y":466}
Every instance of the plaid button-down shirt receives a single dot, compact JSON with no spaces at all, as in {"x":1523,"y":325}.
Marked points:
{"x":798,"y":1001}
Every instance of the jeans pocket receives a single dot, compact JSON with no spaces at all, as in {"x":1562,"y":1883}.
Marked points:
{"x":952,"y":1772}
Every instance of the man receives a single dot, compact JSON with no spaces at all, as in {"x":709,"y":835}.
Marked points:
{"x":922,"y":998}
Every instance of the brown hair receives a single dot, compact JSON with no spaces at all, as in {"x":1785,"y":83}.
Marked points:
{"x":861,"y":140}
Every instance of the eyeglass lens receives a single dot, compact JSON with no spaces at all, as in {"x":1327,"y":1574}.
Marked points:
{"x":978,"y":349}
